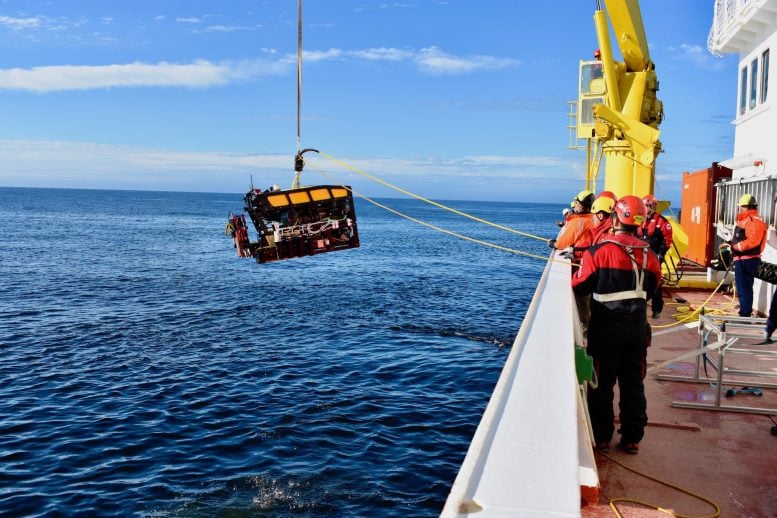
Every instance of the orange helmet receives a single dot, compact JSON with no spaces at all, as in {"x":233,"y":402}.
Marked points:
{"x":650,"y":200}
{"x":607,"y":194}
{"x":630,"y":210}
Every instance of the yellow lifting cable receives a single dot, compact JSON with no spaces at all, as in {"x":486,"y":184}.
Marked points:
{"x":440,"y":205}
{"x":435,"y":227}
{"x":614,"y":501}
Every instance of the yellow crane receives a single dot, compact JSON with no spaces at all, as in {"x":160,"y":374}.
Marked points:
{"x":618,"y":111}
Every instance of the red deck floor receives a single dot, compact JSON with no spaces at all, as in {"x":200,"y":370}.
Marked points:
{"x":727,"y":457}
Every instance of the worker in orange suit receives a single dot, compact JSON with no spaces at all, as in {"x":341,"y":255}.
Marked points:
{"x":657,"y":232}
{"x":748,"y":242}
{"x":620,"y":273}
{"x":577,"y":229}
{"x":576,"y":235}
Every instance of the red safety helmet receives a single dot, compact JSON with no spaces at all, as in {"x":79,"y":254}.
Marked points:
{"x":649,"y":199}
{"x":630,"y":210}
{"x":608,"y":194}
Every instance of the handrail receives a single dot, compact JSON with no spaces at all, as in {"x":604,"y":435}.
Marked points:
{"x":527,"y":457}
{"x":728,"y":17}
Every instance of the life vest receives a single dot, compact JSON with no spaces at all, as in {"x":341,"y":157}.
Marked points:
{"x":652,"y":231}
{"x":620,"y":273}
{"x":749,"y":222}
{"x":639,"y":275}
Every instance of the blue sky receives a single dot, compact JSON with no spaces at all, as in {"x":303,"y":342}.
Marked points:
{"x":455,"y":99}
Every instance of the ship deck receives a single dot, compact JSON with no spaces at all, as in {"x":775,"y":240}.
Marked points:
{"x":727,"y":456}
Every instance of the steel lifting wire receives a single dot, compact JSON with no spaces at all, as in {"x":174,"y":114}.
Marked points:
{"x":430,"y":225}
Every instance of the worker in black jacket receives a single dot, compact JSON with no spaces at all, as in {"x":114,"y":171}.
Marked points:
{"x":657,"y":232}
{"x":620,"y":273}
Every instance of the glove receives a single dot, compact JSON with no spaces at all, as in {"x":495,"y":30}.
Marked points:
{"x":552,"y":243}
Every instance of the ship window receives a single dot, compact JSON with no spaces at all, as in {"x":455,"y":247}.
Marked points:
{"x":591,"y":78}
{"x":743,"y":92}
{"x":753,"y":82}
{"x":764,"y":75}
{"x":587,"y":109}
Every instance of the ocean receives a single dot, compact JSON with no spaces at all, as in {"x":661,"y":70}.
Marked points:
{"x":146,"y":370}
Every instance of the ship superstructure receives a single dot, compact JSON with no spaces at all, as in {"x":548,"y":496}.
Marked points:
{"x":748,"y":28}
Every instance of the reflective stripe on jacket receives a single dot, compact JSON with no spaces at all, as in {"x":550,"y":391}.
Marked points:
{"x":620,"y":273}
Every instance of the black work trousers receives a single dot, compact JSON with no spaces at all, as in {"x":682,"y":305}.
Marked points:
{"x":619,"y":351}
{"x":657,"y":302}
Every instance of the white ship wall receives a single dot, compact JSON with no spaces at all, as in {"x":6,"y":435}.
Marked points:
{"x":755,"y":134}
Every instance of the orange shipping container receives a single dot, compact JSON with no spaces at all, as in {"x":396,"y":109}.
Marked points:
{"x":697,"y":215}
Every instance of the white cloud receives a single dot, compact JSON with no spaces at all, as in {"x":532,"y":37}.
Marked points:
{"x":317,"y":55}
{"x":188,"y":20}
{"x":697,"y":55}
{"x":432,"y":60}
{"x":383,"y":54}
{"x":63,"y":162}
{"x":201,"y":74}
{"x":21,"y":23}
{"x":229,"y":28}
{"x":72,"y":77}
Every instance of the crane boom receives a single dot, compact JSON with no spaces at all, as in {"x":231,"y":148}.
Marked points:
{"x":629,"y":32}
{"x":621,"y":111}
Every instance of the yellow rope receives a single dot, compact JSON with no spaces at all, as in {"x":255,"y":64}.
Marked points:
{"x":696,"y":312}
{"x":614,"y":501}
{"x":435,"y":227}
{"x":475,"y":218}
{"x":426,"y":200}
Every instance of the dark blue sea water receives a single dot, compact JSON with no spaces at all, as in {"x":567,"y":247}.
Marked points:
{"x":146,"y":370}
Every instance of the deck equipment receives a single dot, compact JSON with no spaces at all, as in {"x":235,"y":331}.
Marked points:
{"x":302,"y":220}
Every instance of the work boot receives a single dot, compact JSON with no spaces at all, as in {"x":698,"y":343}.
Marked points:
{"x":603,"y":447}
{"x":656,"y":314}
{"x":629,"y":447}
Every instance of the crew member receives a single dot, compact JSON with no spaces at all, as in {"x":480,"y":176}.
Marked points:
{"x":620,"y":273}
{"x":657,"y":232}
{"x":602,"y":210}
{"x":748,"y":242}
{"x":577,"y":229}
{"x":566,"y":213}
{"x":576,"y":234}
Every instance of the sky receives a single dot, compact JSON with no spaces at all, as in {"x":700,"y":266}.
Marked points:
{"x":449,"y":99}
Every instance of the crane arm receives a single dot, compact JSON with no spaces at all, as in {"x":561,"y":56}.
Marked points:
{"x":629,"y":32}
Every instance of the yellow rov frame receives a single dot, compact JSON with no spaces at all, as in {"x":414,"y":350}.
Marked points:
{"x":618,"y":112}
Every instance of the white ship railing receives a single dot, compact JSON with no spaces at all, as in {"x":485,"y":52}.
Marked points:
{"x":531,"y":452}
{"x":764,"y":189}
{"x":728,"y":18}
